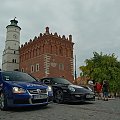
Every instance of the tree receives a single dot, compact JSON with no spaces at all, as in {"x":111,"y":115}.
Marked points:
{"x":103,"y":67}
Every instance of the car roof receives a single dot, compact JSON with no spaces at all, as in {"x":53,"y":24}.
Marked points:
{"x":11,"y":71}
{"x":50,"y":78}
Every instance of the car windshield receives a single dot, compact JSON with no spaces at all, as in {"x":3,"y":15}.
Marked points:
{"x":60,"y":81}
{"x":17,"y":76}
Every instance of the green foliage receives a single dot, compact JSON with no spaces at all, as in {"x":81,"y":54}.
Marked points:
{"x":103,"y":67}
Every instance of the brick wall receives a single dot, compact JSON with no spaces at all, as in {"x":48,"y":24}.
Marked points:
{"x":48,"y":55}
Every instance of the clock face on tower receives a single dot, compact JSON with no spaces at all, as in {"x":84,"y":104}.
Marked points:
{"x":15,"y":36}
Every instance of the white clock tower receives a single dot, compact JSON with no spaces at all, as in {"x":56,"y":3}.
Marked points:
{"x":10,"y":58}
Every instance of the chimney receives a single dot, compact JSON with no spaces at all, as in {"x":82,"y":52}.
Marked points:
{"x":47,"y":30}
{"x":70,"y":38}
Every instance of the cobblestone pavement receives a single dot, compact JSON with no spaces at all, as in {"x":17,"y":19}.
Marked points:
{"x":96,"y":110}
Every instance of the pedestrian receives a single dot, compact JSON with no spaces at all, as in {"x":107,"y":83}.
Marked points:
{"x":91,"y":85}
{"x":105,"y":89}
{"x":98,"y":87}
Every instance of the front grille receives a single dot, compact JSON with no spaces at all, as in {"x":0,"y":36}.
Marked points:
{"x":37,"y":91}
{"x":39,"y":101}
{"x":26,"y":101}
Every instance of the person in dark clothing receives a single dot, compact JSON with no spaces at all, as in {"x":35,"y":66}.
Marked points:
{"x":105,"y":89}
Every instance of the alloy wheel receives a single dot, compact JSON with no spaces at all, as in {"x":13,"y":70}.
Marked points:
{"x":59,"y":96}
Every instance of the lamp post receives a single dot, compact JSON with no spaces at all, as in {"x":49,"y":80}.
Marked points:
{"x":75,"y":71}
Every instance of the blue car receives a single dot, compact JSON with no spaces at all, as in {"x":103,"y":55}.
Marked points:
{"x":19,"y":89}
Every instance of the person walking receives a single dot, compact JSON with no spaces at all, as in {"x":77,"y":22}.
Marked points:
{"x":105,"y":90}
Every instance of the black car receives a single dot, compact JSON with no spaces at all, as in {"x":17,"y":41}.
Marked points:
{"x":65,"y":91}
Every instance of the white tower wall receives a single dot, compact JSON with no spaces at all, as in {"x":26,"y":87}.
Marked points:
{"x":10,"y":59}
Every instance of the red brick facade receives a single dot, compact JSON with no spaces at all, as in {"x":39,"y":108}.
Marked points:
{"x":48,"y":55}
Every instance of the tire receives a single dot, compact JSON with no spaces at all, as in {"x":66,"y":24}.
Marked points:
{"x":3,"y":102}
{"x":59,"y":96}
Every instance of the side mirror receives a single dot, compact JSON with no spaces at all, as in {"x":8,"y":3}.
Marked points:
{"x":47,"y":82}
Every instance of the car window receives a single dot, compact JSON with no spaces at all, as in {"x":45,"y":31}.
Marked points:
{"x":17,"y":76}
{"x":60,"y":81}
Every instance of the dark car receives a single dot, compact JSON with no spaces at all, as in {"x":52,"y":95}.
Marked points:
{"x":64,"y":91}
{"x":19,"y":89}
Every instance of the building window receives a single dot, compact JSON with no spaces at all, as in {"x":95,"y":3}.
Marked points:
{"x":14,"y":52}
{"x":32,"y":68}
{"x":37,"y":67}
{"x":13,"y":60}
{"x":61,"y":66}
{"x":22,"y":70}
{"x":61,"y":51}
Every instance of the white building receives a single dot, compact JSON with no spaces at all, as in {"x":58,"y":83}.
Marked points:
{"x":10,"y":58}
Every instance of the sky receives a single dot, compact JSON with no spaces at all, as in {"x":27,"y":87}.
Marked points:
{"x":93,"y":24}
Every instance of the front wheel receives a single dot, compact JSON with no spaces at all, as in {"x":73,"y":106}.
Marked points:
{"x":59,"y":96}
{"x":3,"y":102}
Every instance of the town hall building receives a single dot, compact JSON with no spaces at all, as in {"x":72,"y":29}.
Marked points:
{"x":47,"y":55}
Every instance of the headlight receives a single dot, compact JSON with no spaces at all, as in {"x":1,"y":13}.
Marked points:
{"x":49,"y":89}
{"x":18,"y":90}
{"x":71,"y":88}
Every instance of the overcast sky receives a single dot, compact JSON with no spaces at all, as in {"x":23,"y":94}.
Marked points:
{"x":94,"y":24}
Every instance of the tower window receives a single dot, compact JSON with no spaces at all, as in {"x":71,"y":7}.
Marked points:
{"x":14,"y":61}
{"x":14,"y":52}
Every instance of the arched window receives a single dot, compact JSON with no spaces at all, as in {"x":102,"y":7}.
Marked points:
{"x":37,"y":51}
{"x":34,"y":53}
{"x":61,"y":51}
{"x":25,"y":56}
{"x":66,"y":52}
{"x":30,"y":53}
{"x":51,"y":50}
{"x":43,"y":48}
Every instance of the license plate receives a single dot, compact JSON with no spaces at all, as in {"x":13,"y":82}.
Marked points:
{"x":39,"y":97}
{"x":89,"y":96}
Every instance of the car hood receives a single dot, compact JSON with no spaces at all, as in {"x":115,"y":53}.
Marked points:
{"x":75,"y":86}
{"x":27,"y":85}
{"x":81,"y":89}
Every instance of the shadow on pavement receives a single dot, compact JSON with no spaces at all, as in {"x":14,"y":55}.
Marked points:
{"x":79,"y":103}
{"x":29,"y":108}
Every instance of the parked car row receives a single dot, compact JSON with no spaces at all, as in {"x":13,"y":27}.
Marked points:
{"x":19,"y":89}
